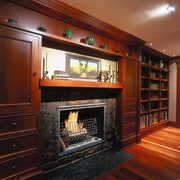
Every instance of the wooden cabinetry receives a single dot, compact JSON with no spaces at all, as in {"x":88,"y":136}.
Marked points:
{"x":153,"y":93}
{"x":127,"y":116}
{"x":19,"y":103}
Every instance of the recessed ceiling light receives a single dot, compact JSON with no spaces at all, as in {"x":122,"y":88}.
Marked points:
{"x":171,"y":8}
{"x":150,"y":44}
{"x":161,"y":11}
{"x":174,"y":55}
{"x":163,"y":50}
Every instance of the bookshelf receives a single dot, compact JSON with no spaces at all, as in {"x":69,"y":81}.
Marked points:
{"x":153,"y":92}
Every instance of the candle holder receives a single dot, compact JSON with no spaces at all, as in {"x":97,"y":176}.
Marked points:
{"x":45,"y":75}
{"x":117,"y":77}
{"x":113,"y":76}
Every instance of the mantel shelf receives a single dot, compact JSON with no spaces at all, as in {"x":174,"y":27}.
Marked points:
{"x":78,"y":84}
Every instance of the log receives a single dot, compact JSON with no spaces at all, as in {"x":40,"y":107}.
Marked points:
{"x":63,"y":146}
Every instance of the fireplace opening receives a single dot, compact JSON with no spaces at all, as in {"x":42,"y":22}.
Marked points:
{"x":80,"y":126}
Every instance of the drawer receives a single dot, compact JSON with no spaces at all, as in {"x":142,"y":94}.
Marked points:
{"x":13,"y":124}
{"x":128,"y":131}
{"x":129,"y":108}
{"x":13,"y":145}
{"x":12,"y":167}
{"x":128,"y":119}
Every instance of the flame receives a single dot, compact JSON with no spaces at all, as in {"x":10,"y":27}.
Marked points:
{"x":72,"y":125}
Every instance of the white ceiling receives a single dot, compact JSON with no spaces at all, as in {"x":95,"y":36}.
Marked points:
{"x":140,"y":18}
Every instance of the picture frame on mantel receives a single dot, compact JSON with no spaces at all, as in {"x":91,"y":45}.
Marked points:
{"x":80,"y":67}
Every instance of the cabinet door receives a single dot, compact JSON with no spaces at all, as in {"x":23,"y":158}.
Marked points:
{"x":19,"y":71}
{"x":130,"y":81}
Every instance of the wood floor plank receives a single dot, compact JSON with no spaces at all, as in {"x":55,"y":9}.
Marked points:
{"x":156,"y":157}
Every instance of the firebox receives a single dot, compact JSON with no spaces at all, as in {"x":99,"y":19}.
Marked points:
{"x":80,"y":126}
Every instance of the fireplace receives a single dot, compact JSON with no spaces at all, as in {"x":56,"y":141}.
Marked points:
{"x":94,"y":131}
{"x":80,"y":126}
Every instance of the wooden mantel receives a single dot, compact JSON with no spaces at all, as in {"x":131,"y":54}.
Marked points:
{"x":78,"y":84}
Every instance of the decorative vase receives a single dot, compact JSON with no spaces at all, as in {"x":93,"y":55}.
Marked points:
{"x":42,"y":29}
{"x":89,"y":40}
{"x":68,"y":33}
{"x":161,"y":64}
{"x":105,"y":45}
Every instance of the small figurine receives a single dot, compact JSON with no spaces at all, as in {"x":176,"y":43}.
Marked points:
{"x":100,"y":77}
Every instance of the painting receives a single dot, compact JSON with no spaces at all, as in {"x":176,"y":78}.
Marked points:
{"x":82,"y":67}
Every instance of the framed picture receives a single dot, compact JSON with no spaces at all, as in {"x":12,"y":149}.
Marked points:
{"x":82,"y":67}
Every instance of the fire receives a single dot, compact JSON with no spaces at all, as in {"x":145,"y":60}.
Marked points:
{"x":72,"y":124}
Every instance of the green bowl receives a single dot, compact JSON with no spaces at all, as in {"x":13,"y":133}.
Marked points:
{"x":89,"y":40}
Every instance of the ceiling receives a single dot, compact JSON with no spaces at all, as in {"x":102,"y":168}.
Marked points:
{"x":145,"y":19}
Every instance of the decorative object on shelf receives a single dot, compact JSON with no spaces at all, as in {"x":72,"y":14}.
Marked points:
{"x":113,"y":76}
{"x":154,"y":86}
{"x":89,"y":40}
{"x":41,"y":28}
{"x":105,"y":45}
{"x":11,"y":21}
{"x":149,"y":61}
{"x":161,"y":64}
{"x":104,"y":76}
{"x":45,"y":71}
{"x":156,"y":63}
{"x":45,"y":75}
{"x":129,"y":51}
{"x":116,"y":51}
{"x":60,"y":75}
{"x":100,"y":77}
{"x":143,"y":59}
{"x":82,"y":67}
{"x":129,"y":54}
{"x":107,"y":76}
{"x":68,"y":33}
{"x":117,"y":77}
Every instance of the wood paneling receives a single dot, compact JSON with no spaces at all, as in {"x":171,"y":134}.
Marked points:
{"x":63,"y":12}
{"x":19,"y":103}
{"x":178,"y":94}
{"x":30,"y":21}
{"x":157,"y":157}
{"x":127,"y":105}
{"x":19,"y":69}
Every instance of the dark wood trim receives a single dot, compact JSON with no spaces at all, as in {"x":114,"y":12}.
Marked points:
{"x":175,"y":58}
{"x":70,"y":15}
{"x":178,"y":94}
{"x":174,"y":124}
{"x":151,"y":129}
{"x":79,"y":84}
{"x":155,"y":52}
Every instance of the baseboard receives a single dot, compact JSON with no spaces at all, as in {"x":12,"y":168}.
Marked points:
{"x":156,"y":127}
{"x":174,"y":124}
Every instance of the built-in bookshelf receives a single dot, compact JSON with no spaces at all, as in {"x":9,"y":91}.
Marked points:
{"x":153,"y":91}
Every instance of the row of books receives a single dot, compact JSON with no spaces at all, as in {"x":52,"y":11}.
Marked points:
{"x":154,"y":75}
{"x":163,"y":115}
{"x":144,"y":120}
{"x":153,"y":117}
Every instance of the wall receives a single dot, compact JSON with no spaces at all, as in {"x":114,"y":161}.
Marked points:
{"x":172,"y":91}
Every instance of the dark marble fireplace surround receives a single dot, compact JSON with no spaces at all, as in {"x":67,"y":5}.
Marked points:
{"x":49,"y":129}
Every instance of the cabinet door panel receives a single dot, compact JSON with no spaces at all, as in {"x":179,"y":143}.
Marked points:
{"x":130,"y":82}
{"x":19,"y":71}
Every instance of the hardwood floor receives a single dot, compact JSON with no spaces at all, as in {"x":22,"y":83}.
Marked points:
{"x":156,"y":157}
